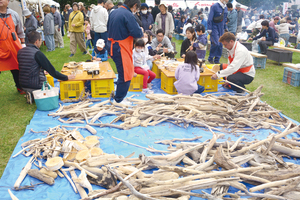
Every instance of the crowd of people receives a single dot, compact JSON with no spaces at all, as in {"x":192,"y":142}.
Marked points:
{"x":135,"y":34}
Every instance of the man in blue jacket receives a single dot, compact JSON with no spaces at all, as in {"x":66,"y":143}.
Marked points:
{"x":122,"y":28}
{"x":268,"y":36}
{"x":203,"y":21}
{"x":232,"y":19}
{"x":216,"y":25}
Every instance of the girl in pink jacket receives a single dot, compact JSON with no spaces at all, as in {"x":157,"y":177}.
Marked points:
{"x":87,"y":30}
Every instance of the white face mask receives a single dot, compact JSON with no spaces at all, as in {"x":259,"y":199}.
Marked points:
{"x":149,"y":10}
{"x":138,"y":50}
{"x":144,"y":12}
{"x":145,"y":40}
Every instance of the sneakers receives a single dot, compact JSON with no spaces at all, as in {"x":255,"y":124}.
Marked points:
{"x":85,"y":52}
{"x":71,"y":55}
{"x":28,"y":97}
{"x":147,"y":91}
{"x":21,"y":91}
{"x":126,"y":102}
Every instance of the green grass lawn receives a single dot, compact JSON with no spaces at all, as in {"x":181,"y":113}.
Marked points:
{"x":15,"y":114}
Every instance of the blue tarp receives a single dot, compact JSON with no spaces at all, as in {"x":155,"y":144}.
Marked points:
{"x":140,"y":135}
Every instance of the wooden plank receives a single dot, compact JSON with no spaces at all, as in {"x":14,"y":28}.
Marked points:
{"x":257,"y":55}
{"x":106,"y":72}
{"x":291,"y":65}
{"x":286,"y":48}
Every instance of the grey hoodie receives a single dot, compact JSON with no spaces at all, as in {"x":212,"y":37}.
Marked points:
{"x":98,"y":19}
{"x":49,"y":24}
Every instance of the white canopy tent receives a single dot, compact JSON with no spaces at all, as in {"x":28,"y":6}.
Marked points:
{"x":191,"y":3}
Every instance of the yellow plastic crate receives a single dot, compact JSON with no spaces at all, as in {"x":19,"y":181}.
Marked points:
{"x":156,"y":70}
{"x":71,"y":89}
{"x":209,"y":84}
{"x":210,"y":66}
{"x":50,"y":80}
{"x":102,"y":88}
{"x":167,"y":84}
{"x":136,"y":84}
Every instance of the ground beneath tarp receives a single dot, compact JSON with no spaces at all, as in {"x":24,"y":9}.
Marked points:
{"x":140,"y":135}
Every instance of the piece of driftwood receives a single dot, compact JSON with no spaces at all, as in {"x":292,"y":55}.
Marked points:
{"x":12,"y":196}
{"x":42,"y":177}
{"x":131,"y":188}
{"x":24,"y":172}
{"x":80,"y":189}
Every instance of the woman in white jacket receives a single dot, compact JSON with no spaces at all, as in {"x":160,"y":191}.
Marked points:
{"x":283,"y":30}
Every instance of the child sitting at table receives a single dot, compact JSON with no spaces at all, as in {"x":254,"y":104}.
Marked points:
{"x":187,"y":75}
{"x":149,"y":52}
{"x":99,"y":53}
{"x":140,"y":65}
{"x":201,"y":41}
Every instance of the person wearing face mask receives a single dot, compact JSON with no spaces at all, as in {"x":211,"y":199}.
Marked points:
{"x":122,"y":28}
{"x":141,"y":67}
{"x":146,"y":17}
{"x":216,"y":25}
{"x":240,"y":69}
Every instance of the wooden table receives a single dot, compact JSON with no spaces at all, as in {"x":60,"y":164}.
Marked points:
{"x":287,"y":48}
{"x":168,"y":79}
{"x":101,"y":85}
{"x":291,"y":65}
{"x":106,"y":72}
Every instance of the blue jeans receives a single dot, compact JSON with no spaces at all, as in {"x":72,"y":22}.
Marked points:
{"x":49,"y":39}
{"x":149,"y":63}
{"x":286,"y":38}
{"x":88,"y":44}
{"x":200,"y":89}
{"x":100,"y":36}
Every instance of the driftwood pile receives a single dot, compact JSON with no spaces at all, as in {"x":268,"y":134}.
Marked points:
{"x":235,"y":114}
{"x":188,"y":166}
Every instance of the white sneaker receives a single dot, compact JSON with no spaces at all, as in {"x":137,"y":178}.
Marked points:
{"x":147,"y":91}
{"x":126,"y":102}
{"x":149,"y":85}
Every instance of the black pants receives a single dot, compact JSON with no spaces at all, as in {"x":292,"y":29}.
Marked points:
{"x":239,"y":79}
{"x":264,"y":46}
{"x":15,"y":74}
{"x":122,"y":86}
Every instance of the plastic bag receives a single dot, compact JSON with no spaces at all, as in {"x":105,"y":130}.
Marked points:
{"x":46,"y":99}
{"x":242,"y":36}
{"x":298,"y":37}
{"x":243,"y":22}
{"x":255,"y":46}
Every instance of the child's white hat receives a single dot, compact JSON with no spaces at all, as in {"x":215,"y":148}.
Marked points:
{"x":100,"y":43}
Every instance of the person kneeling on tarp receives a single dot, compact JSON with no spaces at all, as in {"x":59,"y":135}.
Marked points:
{"x":32,"y":63}
{"x":240,"y":69}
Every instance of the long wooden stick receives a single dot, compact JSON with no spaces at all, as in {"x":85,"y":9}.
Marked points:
{"x":24,"y":172}
{"x":131,"y":188}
